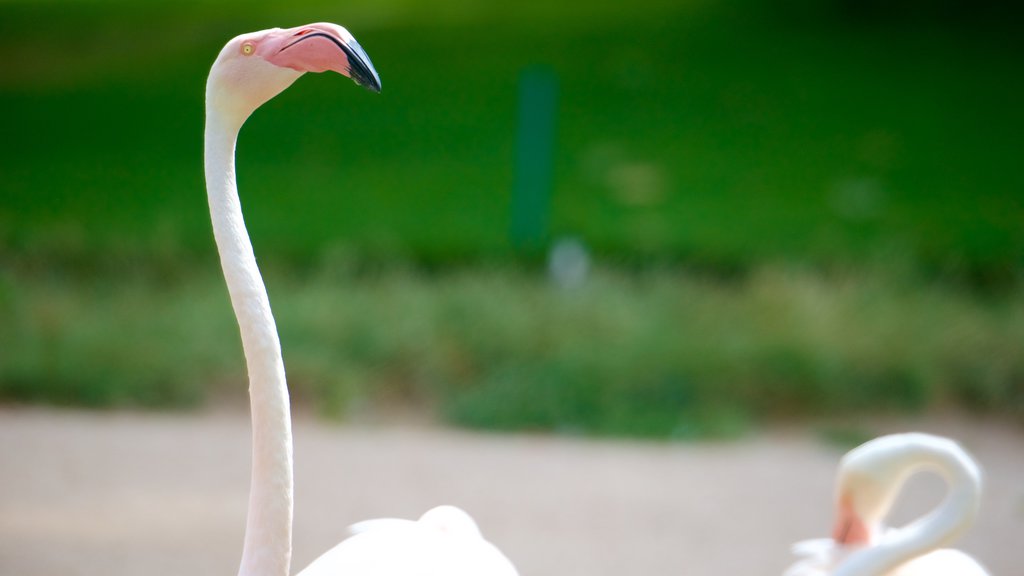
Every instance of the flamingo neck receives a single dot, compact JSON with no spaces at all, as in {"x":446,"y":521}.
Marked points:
{"x":934,"y":530}
{"x":267,"y":550}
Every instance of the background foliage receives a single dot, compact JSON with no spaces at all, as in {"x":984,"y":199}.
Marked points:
{"x":793,"y":209}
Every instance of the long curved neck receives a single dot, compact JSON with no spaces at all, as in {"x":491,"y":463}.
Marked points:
{"x":267,"y":550}
{"x":936,"y":529}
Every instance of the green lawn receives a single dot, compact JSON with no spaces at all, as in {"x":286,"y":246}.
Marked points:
{"x":730,"y":166}
{"x":689,"y":132}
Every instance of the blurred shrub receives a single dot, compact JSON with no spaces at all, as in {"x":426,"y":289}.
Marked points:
{"x":658,"y":353}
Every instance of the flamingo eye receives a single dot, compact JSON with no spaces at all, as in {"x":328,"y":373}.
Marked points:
{"x":247,"y":48}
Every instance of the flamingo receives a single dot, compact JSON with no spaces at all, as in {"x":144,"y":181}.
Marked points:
{"x":870,"y":477}
{"x":250,"y":70}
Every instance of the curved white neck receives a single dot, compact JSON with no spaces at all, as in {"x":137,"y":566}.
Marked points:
{"x":936,"y":529}
{"x":267,"y":550}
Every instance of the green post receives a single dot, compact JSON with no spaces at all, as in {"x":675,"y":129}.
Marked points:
{"x":538,"y":92}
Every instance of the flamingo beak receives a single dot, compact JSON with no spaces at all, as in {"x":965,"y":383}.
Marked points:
{"x":850,"y":529}
{"x":320,"y":47}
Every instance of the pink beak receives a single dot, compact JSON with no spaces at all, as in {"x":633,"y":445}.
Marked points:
{"x":317,"y":48}
{"x":850,"y":529}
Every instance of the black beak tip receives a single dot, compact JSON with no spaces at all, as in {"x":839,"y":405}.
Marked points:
{"x":361,"y":70}
{"x":371,"y":83}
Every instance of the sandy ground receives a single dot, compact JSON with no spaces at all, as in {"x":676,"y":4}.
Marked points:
{"x":131,"y":494}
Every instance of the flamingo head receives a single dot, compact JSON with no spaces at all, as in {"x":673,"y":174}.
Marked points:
{"x":253,"y":68}
{"x":872,"y":475}
{"x":870,"y":478}
{"x":857,"y":516}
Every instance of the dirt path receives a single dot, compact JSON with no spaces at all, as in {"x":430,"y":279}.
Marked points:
{"x":134,"y":494}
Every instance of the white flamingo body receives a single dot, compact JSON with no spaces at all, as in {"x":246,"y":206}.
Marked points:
{"x":870,"y":477}
{"x":444,"y":536}
{"x":250,"y":70}
{"x":823,"y":557}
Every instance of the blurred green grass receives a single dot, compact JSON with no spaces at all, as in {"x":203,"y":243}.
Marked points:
{"x":695,"y":132}
{"x":661,"y":353}
{"x":860,"y":144}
